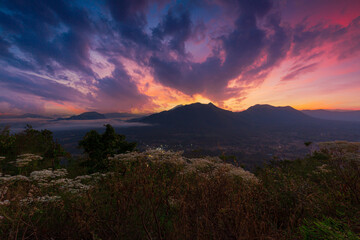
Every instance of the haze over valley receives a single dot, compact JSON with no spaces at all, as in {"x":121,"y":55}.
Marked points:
{"x":256,"y":135}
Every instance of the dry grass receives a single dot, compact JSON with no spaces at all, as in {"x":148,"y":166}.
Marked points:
{"x":162,"y":195}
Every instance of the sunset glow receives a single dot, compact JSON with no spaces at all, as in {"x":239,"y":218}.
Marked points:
{"x":67,"y":57}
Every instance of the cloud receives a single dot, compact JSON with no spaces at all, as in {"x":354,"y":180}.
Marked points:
{"x":237,"y":53}
{"x":79,"y":51}
{"x":299,"y":71}
{"x":177,"y":26}
{"x":118,"y":92}
{"x":21,"y":82}
{"x":341,"y":39}
{"x":49,"y":35}
{"x":15,"y":102}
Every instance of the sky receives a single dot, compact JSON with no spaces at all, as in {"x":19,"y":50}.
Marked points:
{"x":141,"y":56}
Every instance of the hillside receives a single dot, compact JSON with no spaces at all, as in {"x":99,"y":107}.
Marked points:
{"x":165,"y":195}
{"x":267,"y":114}
{"x":254,"y":135}
{"x":85,"y":116}
{"x":195,"y":116}
{"x":199,"y":116}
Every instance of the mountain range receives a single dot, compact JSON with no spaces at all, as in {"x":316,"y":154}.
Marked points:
{"x":199,"y":116}
{"x":196,"y":112}
{"x":205,"y":129}
{"x":251,"y":135}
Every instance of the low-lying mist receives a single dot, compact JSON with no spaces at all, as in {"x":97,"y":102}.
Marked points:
{"x":17,"y":125}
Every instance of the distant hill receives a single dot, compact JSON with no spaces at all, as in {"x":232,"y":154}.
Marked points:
{"x":270,"y":115}
{"x":123,"y":115}
{"x":26,"y":115}
{"x":351,"y":116}
{"x":85,"y":116}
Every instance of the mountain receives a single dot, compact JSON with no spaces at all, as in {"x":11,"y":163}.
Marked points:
{"x":199,"y":115}
{"x":85,"y":116}
{"x":270,"y":115}
{"x":351,"y":116}
{"x":253,"y":135}
{"x":194,"y":116}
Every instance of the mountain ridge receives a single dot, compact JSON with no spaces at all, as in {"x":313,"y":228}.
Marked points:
{"x":210,"y":117}
{"x":85,"y":116}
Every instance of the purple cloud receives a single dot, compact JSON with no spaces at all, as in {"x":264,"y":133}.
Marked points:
{"x":75,"y":50}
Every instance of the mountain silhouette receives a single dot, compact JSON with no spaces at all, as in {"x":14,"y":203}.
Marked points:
{"x":85,"y":116}
{"x":270,"y":115}
{"x":259,"y":126}
{"x":192,"y":117}
{"x":122,"y":115}
{"x":201,"y":116}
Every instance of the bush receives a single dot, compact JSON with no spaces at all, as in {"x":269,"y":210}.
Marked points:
{"x":29,"y":150}
{"x":6,"y":141}
{"x":160,"y":194}
{"x":99,"y":147}
{"x":327,"y":229}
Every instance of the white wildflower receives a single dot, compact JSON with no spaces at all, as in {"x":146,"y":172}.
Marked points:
{"x":323,"y":168}
{"x":3,"y":191}
{"x":70,"y":185}
{"x":203,"y":166}
{"x":4,"y":203}
{"x":41,"y":199}
{"x":25,"y":159}
{"x":46,"y":174}
{"x":8,"y":178}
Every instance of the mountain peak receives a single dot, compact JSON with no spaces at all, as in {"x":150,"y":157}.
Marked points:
{"x":266,"y":113}
{"x":191,"y":116}
{"x":269,"y":107}
{"x":86,"y":116}
{"x":197,"y":105}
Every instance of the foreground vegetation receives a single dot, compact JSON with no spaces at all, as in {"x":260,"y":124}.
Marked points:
{"x":160,"y":194}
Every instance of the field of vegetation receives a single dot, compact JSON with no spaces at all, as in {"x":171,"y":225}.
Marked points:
{"x":116,"y":192}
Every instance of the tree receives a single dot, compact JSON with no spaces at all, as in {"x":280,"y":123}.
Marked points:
{"x":6,"y":141}
{"x":99,"y":147}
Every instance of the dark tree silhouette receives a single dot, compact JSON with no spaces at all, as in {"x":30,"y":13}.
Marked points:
{"x":100,"y":146}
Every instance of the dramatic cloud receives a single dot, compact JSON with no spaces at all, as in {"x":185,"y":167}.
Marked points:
{"x":237,"y":53}
{"x":110,"y":55}
{"x":118,"y":91}
{"x":297,"y":70}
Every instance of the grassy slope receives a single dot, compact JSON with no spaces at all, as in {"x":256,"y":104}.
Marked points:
{"x":162,"y":195}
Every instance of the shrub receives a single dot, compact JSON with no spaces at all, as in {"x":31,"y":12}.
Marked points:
{"x":99,"y":147}
{"x":159,"y":194}
{"x":326,"y":229}
{"x":29,"y":150}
